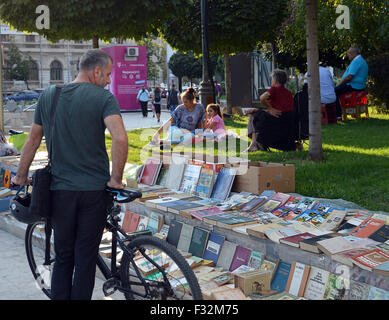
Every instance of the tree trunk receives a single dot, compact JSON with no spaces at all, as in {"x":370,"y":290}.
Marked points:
{"x":315,"y":138}
{"x":180,"y":84}
{"x":227,"y":75}
{"x":95,"y":40}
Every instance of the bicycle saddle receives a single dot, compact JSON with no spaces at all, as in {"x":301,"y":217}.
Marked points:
{"x":11,"y":132}
{"x":123,"y":195}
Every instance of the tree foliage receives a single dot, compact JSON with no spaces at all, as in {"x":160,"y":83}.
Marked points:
{"x":20,"y":64}
{"x":184,"y":65}
{"x":235,"y":26}
{"x":84,"y":19}
{"x":369,"y":25}
{"x":156,"y":56}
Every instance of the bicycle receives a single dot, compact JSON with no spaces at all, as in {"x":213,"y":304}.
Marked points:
{"x":149,"y":268}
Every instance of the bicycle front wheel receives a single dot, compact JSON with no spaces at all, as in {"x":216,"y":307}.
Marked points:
{"x":169,"y":277}
{"x":40,"y":254}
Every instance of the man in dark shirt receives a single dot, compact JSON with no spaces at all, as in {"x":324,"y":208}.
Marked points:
{"x":80,"y":170}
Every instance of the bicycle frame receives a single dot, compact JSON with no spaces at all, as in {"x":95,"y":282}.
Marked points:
{"x":113,"y":272}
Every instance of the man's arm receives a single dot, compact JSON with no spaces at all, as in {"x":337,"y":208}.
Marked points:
{"x":115,"y":126}
{"x":347,"y":79}
{"x":264,"y":98}
{"x":30,"y":147}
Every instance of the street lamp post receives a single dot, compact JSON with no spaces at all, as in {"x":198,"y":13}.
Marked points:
{"x":206,"y":89}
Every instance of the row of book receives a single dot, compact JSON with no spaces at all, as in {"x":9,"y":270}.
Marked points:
{"x":228,"y":271}
{"x":343,"y":234}
{"x":208,"y":180}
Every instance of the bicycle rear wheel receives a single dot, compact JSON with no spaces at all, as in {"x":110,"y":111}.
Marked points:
{"x":36,"y":242}
{"x":174,"y":279}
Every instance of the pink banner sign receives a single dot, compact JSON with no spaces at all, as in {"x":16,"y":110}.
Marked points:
{"x":129,"y":74}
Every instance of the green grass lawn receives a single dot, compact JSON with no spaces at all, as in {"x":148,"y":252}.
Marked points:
{"x":355,"y":166}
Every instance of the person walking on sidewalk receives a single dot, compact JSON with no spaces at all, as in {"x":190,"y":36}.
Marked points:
{"x":157,"y":102}
{"x":173,"y":99}
{"x":143,"y":97}
{"x":80,"y":170}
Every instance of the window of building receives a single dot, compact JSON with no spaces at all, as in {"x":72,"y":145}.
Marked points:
{"x":55,"y":70}
{"x":34,"y":74}
{"x":30,"y":38}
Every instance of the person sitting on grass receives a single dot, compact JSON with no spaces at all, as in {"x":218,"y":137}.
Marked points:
{"x":274,"y":127}
{"x":215,"y":124}
{"x":185,"y":119}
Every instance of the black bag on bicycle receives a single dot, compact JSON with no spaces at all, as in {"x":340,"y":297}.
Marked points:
{"x":41,"y":179}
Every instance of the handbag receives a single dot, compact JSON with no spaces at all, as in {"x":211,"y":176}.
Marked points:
{"x":41,"y":179}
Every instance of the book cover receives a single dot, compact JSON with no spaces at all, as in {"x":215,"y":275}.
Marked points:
{"x":281,"y":211}
{"x":334,"y":245}
{"x":381,"y":234}
{"x":130,"y":221}
{"x":297,"y":279}
{"x":213,"y":247}
{"x":295,"y":240}
{"x":382,"y":269}
{"x":306,"y":204}
{"x":150,"y":171}
{"x":335,"y":288}
{"x":255,"y":259}
{"x":281,"y":276}
{"x":190,"y":178}
{"x":185,"y":237}
{"x":316,"y":285}
{"x":223,"y":183}
{"x":143,"y":223}
{"x":7,"y":178}
{"x":2,"y":174}
{"x":378,"y":294}
{"x":235,"y":221}
{"x":293,"y":202}
{"x":229,"y":294}
{"x":358,"y":290}
{"x":367,"y":228}
{"x":179,"y":205}
{"x":132,"y":171}
{"x":241,"y":257}
{"x":307,"y":215}
{"x":345,"y":257}
{"x":267,"y":193}
{"x":207,"y":212}
{"x":218,"y":217}
{"x":269,"y":205}
{"x":282,"y":197}
{"x":164,"y":230}
{"x":198,"y":242}
{"x":270,"y":263}
{"x":334,"y":220}
{"x":311,"y":243}
{"x":176,"y":172}
{"x":253,"y":204}
{"x":292,"y":214}
{"x":223,"y":278}
{"x":206,"y":180}
{"x":155,"y":222}
{"x":226,"y":255}
{"x":174,"y":232}
{"x":371,"y":259}
{"x":162,"y":177}
{"x":159,"y":202}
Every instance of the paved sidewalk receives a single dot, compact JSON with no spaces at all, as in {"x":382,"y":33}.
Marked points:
{"x":16,"y":280}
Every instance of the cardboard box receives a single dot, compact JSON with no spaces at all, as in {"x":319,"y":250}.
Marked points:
{"x":261,"y":176}
{"x":253,"y":281}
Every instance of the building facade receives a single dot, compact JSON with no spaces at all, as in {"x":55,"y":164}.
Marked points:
{"x":52,"y":63}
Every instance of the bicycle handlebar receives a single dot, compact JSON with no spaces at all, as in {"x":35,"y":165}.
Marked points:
{"x":123,"y":195}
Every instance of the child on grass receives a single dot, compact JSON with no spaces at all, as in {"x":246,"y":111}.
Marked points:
{"x":215,"y":123}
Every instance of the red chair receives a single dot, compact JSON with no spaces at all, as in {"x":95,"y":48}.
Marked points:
{"x":354,"y":103}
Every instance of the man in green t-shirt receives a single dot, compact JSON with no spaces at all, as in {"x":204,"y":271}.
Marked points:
{"x":80,"y":170}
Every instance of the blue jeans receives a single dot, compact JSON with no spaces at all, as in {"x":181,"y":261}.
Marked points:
{"x":172,"y":108}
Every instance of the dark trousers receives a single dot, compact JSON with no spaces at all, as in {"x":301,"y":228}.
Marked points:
{"x":143,"y":105}
{"x":339,"y":90}
{"x":78,"y":221}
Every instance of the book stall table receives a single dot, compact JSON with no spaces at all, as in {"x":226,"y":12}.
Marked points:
{"x":281,"y":251}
